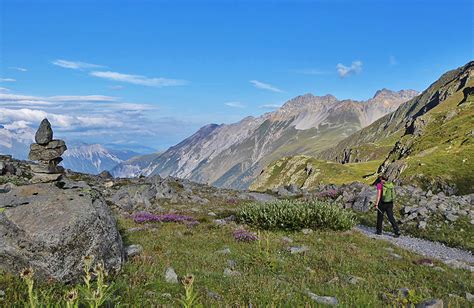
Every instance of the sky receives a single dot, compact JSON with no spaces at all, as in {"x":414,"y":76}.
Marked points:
{"x":150,"y":73}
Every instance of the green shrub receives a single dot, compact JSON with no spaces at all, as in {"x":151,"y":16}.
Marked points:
{"x":296,"y":215}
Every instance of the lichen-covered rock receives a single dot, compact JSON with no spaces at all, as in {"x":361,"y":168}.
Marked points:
{"x":52,"y":229}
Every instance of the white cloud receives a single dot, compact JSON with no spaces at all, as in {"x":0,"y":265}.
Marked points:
{"x":235,"y":104}
{"x":392,"y":60}
{"x":345,"y":71}
{"x":59,"y":98}
{"x":265,"y":86}
{"x":117,"y":87}
{"x":82,"y":98}
{"x":75,"y":65}
{"x":2,"y":89}
{"x":20,"y":69}
{"x":270,"y":106}
{"x":7,"y":80}
{"x":138,"y":79}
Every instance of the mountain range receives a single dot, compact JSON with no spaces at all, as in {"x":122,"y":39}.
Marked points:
{"x":427,"y":141}
{"x":233,"y":155}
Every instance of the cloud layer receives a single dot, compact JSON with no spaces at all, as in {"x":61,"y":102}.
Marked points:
{"x":138,"y":79}
{"x":345,"y":71}
{"x":75,"y":65}
{"x":235,"y":104}
{"x":265,"y":86}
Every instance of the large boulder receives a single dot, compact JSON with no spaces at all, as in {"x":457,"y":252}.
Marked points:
{"x":51,"y":229}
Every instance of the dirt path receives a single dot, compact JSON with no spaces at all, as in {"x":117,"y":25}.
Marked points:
{"x":453,"y":257}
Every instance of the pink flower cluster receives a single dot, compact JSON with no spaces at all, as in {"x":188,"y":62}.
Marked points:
{"x":242,"y":235}
{"x":142,"y":217}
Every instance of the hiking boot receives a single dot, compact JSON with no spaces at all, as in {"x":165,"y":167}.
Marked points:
{"x":396,"y":234}
{"x":378,"y":233}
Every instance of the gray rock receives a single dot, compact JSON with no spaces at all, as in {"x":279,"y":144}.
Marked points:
{"x":224,"y":251}
{"x":363,"y":200}
{"x":307,"y":231}
{"x":52,"y":229}
{"x":431,"y":303}
{"x":287,"y":240}
{"x":50,"y":151}
{"x":212,"y":214}
{"x":44,"y":134}
{"x":298,"y":249}
{"x":170,"y":275}
{"x":133,"y":250}
{"x":231,"y":273}
{"x":396,"y":256}
{"x":422,"y":225}
{"x":2,"y":293}
{"x":327,"y":300}
{"x":451,"y":217}
{"x":105,"y":175}
{"x":214,"y":295}
{"x":469,"y":297}
{"x":231,"y":264}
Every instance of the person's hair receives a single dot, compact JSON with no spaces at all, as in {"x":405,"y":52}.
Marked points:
{"x":384,"y":177}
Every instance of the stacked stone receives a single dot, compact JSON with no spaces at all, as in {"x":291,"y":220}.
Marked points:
{"x":47,"y":151}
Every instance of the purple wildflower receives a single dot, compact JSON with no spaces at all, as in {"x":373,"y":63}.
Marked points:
{"x":141,"y":217}
{"x":242,"y":235}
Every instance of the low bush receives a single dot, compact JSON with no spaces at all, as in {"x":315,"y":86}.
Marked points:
{"x":296,"y":215}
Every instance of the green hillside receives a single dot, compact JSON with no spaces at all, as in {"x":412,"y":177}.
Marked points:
{"x":426,"y":141}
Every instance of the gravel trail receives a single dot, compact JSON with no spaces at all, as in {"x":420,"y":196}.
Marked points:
{"x":453,"y":257}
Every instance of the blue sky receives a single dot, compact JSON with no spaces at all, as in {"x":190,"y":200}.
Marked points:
{"x":152,"y":72}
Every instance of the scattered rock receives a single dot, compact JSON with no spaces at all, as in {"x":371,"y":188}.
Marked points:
{"x":212,"y":214}
{"x":298,"y":249}
{"x":469,"y":297}
{"x":105,"y":175}
{"x":133,"y":250}
{"x":170,"y":275}
{"x":214,"y":295}
{"x":231,"y":273}
{"x":327,"y":300}
{"x":451,"y":217}
{"x":354,"y":279}
{"x":287,"y":240}
{"x":224,"y":251}
{"x":231,"y":264}
{"x":307,"y":231}
{"x":396,"y":256}
{"x":422,"y":225}
{"x":431,"y":303}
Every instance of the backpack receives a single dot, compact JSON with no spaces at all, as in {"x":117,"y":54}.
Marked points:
{"x":388,"y":192}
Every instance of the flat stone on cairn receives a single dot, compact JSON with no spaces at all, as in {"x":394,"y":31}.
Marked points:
{"x":47,"y":151}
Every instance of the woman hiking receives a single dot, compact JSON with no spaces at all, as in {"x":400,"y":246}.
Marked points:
{"x":384,"y":203}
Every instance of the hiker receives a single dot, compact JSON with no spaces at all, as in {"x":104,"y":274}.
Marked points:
{"x":384,"y":203}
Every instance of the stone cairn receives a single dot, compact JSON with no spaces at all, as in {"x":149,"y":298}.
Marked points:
{"x":47,"y":151}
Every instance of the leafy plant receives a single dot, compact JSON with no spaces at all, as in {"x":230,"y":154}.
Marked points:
{"x":98,"y":292}
{"x":296,"y":215}
{"x":27,"y":276}
{"x":190,"y":298}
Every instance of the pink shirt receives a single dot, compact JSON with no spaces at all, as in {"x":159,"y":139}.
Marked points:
{"x":379,"y":186}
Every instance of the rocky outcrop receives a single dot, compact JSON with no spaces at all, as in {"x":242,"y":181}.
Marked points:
{"x":47,"y":152}
{"x":51,"y":229}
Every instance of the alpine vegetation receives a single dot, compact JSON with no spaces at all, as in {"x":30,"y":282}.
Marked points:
{"x":297,"y":215}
